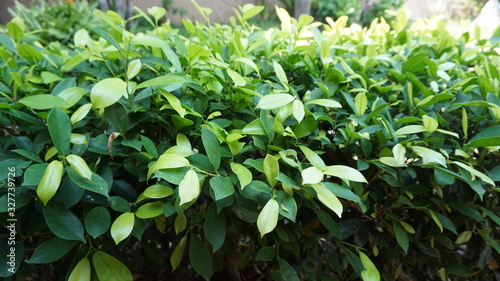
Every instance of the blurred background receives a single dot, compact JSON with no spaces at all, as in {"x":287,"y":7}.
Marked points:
{"x":485,"y":13}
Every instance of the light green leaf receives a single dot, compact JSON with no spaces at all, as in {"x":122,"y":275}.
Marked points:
{"x":248,"y":62}
{"x":72,"y":95}
{"x":298,"y":110}
{"x":361,"y":103}
{"x":268,"y":217}
{"x":158,"y":191}
{"x":325,"y":103}
{"x":50,"y":182}
{"x":407,"y":227}
{"x":122,"y":227}
{"x":237,"y":78}
{"x":280,"y":73}
{"x":80,"y":113}
{"x":134,"y":67}
{"x":150,"y":210}
{"x":328,"y":198}
{"x":475,"y":172}
{"x":371,"y":272}
{"x":312,"y":175}
{"x":78,"y":139}
{"x":79,"y":165}
{"x":168,"y":161}
{"x":273,"y":101}
{"x":109,"y":268}
{"x":244,"y":175}
{"x":399,"y":152}
{"x":43,"y":101}
{"x":429,"y":155}
{"x":271,"y":169}
{"x":313,"y":158}
{"x":411,"y":129}
{"x":174,"y":102}
{"x":345,"y":173}
{"x":391,"y":161}
{"x":436,"y":220}
{"x":162,"y":81}
{"x":189,"y":188}
{"x":81,"y":272}
{"x":430,"y":124}
{"x":107,"y":92}
{"x":254,"y":128}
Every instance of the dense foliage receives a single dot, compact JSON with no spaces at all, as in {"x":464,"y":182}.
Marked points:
{"x":309,"y":152}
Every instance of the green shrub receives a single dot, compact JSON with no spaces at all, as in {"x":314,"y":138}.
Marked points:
{"x":339,"y":154}
{"x":55,"y":22}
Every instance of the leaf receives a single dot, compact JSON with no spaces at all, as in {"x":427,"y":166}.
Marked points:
{"x":401,"y":236}
{"x":287,"y":271}
{"x":430,"y":124}
{"x":82,"y":271}
{"x":328,"y":198}
{"x":313,"y":158}
{"x":475,"y":172}
{"x":268,"y":217}
{"x":15,"y":31}
{"x":222,"y":187}
{"x":150,"y":210}
{"x":411,"y":129}
{"x":50,"y":182}
{"x":429,"y":156}
{"x":80,"y":166}
{"x":64,"y":224}
{"x":44,"y":101}
{"x":214,"y":227}
{"x":96,"y":184}
{"x":271,"y":169}
{"x":325,"y":103}
{"x":399,"y":152}
{"x":200,"y":257}
{"x":117,"y":116}
{"x":189,"y":188}
{"x":168,"y":161}
{"x":237,"y":78}
{"x":158,"y":191}
{"x":109,"y":268}
{"x":312,"y":175}
{"x":371,"y":272}
{"x":59,"y":126}
{"x":244,"y":175}
{"x":162,"y":81}
{"x":361,"y":103}
{"x":134,"y":67}
{"x":266,"y":254}
{"x":248,"y":62}
{"x":174,"y":102}
{"x":342,"y":192}
{"x":487,"y":137}
{"x":97,"y":221}
{"x":212,"y":147}
{"x":80,"y":113}
{"x":273,"y":101}
{"x":436,"y":220}
{"x":280,"y":73}
{"x":298,"y":110}
{"x":329,"y":223}
{"x":150,"y":146}
{"x":107,"y":92}
{"x":176,"y":257}
{"x":52,"y":250}
{"x":345,"y":173}
{"x":122,"y":227}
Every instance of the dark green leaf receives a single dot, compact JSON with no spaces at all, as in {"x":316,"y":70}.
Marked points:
{"x":97,"y":221}
{"x":60,"y":130}
{"x":212,"y":147}
{"x":64,"y":224}
{"x":215,"y":227}
{"x":287,"y":271}
{"x":222,"y":187}
{"x":52,"y":250}
{"x":200,"y":257}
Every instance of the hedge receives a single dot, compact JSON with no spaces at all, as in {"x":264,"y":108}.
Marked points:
{"x":313,"y":151}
